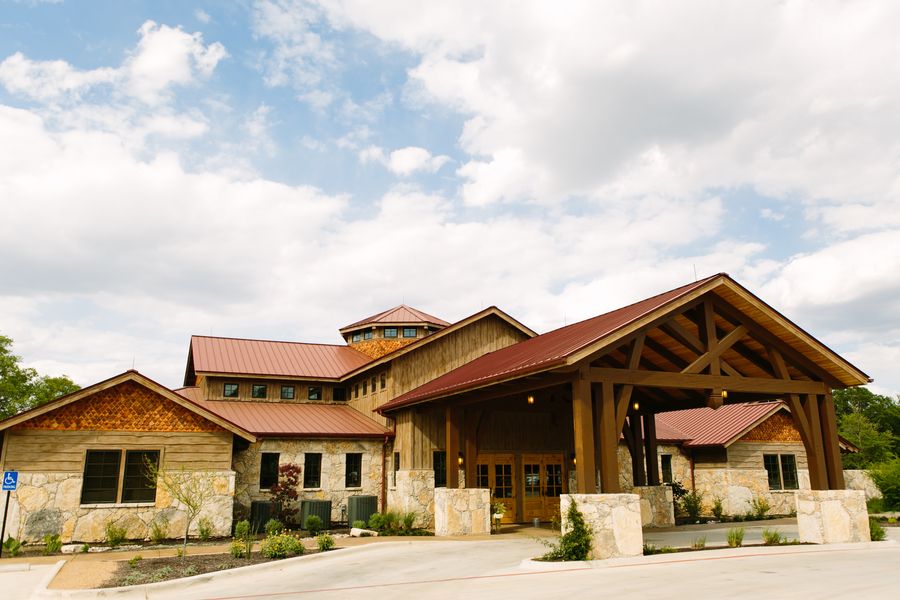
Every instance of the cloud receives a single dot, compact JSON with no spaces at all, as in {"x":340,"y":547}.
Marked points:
{"x":202,"y":16}
{"x":50,"y":80}
{"x":404,"y":161}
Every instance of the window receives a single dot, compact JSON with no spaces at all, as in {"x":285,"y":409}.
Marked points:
{"x":390,"y":332}
{"x":439,"y":462}
{"x":373,"y":385}
{"x":409,"y":332}
{"x":532,"y":474}
{"x":258,"y":390}
{"x":365,"y":387}
{"x":339,"y":394}
{"x":396,"y":466}
{"x":287,"y":392}
{"x":101,"y":484}
{"x":554,"y":480}
{"x":356,"y":391}
{"x":268,"y":470}
{"x":314,"y":392}
{"x":383,"y":380}
{"x":367,"y":335}
{"x":312,"y":470}
{"x":231,"y":390}
{"x":481,"y":476}
{"x":666,"y":465}
{"x":356,"y":337}
{"x":782,"y":471}
{"x":353,"y":472}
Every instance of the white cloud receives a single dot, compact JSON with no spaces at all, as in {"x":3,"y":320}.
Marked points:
{"x":202,"y":16}
{"x":50,"y":80}
{"x":404,"y":162}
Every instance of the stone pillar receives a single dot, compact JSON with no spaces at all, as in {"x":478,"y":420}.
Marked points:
{"x":657,"y":505}
{"x":614,"y":521}
{"x":462,"y":511}
{"x":832,"y":516}
{"x":414,"y":492}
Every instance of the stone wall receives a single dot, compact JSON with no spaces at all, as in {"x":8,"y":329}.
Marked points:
{"x":247,"y":463}
{"x":51,"y":503}
{"x":657,"y":505}
{"x":414,"y":492}
{"x":832,"y":516}
{"x":614,"y":521}
{"x":681,"y":465}
{"x":860,"y":480}
{"x":738,"y":487}
{"x":462,"y":511}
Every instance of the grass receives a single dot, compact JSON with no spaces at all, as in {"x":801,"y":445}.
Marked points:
{"x":735,"y":537}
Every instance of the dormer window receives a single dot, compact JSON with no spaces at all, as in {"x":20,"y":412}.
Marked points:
{"x":390,"y":332}
{"x":258,"y":390}
{"x":409,"y":332}
{"x":231,"y":390}
{"x":357,"y":337}
{"x":367,"y":335}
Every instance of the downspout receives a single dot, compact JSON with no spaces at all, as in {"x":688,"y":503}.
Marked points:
{"x":693,"y":484}
{"x":384,"y":446}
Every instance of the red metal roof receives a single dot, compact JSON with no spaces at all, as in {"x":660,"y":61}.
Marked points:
{"x":666,"y":432}
{"x":293,"y":420}
{"x":538,"y":353}
{"x":398,"y":314}
{"x":708,"y":427}
{"x":263,"y":357}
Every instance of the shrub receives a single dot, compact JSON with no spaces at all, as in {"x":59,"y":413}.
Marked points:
{"x":204,"y":529}
{"x":409,"y":520}
{"x":875,"y":505}
{"x":12,"y":546}
{"x":759,"y":506}
{"x":650,"y":549}
{"x":325,"y":542}
{"x":876,"y":531}
{"x":717,"y":509}
{"x":190,"y":570}
{"x":678,"y":491}
{"x":575,"y":544}
{"x":692,"y":504}
{"x":284,"y":492}
{"x":281,"y":545}
{"x":376,"y":522}
{"x":772,"y":537}
{"x":359,"y":524}
{"x":243,"y":535}
{"x":313,"y":524}
{"x":237,"y":549}
{"x":699,"y":543}
{"x":85,"y":548}
{"x":886,"y":476}
{"x":134,"y":560}
{"x":391,"y":522}
{"x":52,"y":543}
{"x":273,"y":526}
{"x":115,"y":535}
{"x":159,"y":529}
{"x":180,"y":552}
{"x":735,"y":537}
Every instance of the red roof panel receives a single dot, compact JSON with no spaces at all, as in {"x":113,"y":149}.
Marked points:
{"x":263,"y":357}
{"x":398,"y":314}
{"x":708,"y":427}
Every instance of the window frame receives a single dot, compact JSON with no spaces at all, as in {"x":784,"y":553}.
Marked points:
{"x":119,"y":477}
{"x":390,"y":332}
{"x":254,"y":391}
{"x":356,"y":337}
{"x":308,"y":482}
{"x":292,"y":395}
{"x":383,"y":379}
{"x":665,"y":467}
{"x":406,"y":331}
{"x":348,"y":482}
{"x":339,"y":391}
{"x":439,"y":466}
{"x":314,"y":392}
{"x":775,"y":466}
{"x":262,"y":457}
{"x":368,"y":334}
{"x":126,"y":487}
{"x":236,"y":388}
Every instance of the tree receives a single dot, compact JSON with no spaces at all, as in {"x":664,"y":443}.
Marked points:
{"x":22,"y":388}
{"x":875,"y":446}
{"x":882,"y":412}
{"x":190,"y":489}
{"x":284,"y":492}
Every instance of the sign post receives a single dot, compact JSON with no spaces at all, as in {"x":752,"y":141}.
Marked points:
{"x":10,"y":482}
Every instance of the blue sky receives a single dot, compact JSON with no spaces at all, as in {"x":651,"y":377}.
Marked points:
{"x":280,"y":168}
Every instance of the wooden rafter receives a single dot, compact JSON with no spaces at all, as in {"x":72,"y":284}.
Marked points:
{"x":713,"y":356}
{"x":624,"y":397}
{"x":704,"y":382}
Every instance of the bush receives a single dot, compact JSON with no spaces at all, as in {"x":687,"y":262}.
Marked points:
{"x":238,"y":549}
{"x":243,"y":536}
{"x":313,"y":524}
{"x":575,"y":544}
{"x":699,"y":543}
{"x":886,"y":476}
{"x":759,"y":506}
{"x":115,"y":535}
{"x":134,"y":560}
{"x":159,"y":529}
{"x":359,"y":524}
{"x":876,"y":531}
{"x":376,"y":522}
{"x":875,"y":505}
{"x":52,"y":543}
{"x":284,"y":492}
{"x":273,"y":526}
{"x":717,"y":509}
{"x":772,"y":537}
{"x":12,"y":546}
{"x":692,"y":504}
{"x":325,"y":542}
{"x":409,"y":520}
{"x":735,"y":537}
{"x":281,"y":545}
{"x":204,"y":529}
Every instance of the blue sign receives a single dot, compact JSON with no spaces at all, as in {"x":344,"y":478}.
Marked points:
{"x":10,"y":480}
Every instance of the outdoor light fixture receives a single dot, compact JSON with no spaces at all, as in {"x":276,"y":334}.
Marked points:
{"x":459,"y":459}
{"x":530,"y":399}
{"x":574,"y":460}
{"x":724,"y":394}
{"x":636,"y":405}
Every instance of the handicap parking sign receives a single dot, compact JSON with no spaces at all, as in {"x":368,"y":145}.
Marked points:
{"x":10,"y":480}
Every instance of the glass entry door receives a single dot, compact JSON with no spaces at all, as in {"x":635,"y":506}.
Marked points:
{"x":542,"y":483}
{"x":497,"y":473}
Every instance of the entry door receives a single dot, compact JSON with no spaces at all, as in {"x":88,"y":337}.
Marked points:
{"x":542,"y":484}
{"x":497,"y":473}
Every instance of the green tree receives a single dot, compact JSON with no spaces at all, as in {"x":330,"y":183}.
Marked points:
{"x":882,"y":412}
{"x":875,"y":445}
{"x":22,"y":388}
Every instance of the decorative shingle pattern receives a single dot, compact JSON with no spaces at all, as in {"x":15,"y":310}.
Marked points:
{"x":380,"y":347}
{"x":777,"y":428}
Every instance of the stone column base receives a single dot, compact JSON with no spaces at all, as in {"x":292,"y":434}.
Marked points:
{"x":462,"y":511}
{"x":414,"y":492}
{"x":832,"y":516}
{"x":657,"y":505}
{"x":614,"y":521}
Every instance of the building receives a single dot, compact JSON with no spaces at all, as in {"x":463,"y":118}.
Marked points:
{"x":411,"y":402}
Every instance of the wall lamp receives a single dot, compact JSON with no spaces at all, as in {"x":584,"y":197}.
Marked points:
{"x":530,"y":398}
{"x":459,"y":459}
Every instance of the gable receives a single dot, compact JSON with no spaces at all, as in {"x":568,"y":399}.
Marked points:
{"x":777,"y":428}
{"x":127,"y":406}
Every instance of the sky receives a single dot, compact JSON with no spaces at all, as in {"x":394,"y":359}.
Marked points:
{"x":277,"y":169}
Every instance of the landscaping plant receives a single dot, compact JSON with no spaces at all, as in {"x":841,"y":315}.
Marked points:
{"x":284,"y":492}
{"x":575,"y":543}
{"x":717,"y":509}
{"x":735,"y":537}
{"x":159,"y":529}
{"x":52,"y":543}
{"x":12,"y":546}
{"x":273,"y":526}
{"x":699,"y":543}
{"x":115,"y":535}
{"x":244,"y":537}
{"x":692,"y":504}
{"x":192,"y":490}
{"x":204,"y":529}
{"x":313,"y":524}
{"x":876,"y":531}
{"x":772,"y":537}
{"x":325,"y":542}
{"x":281,"y":545}
{"x":886,"y":476}
{"x":359,"y":524}
{"x":759,"y":506}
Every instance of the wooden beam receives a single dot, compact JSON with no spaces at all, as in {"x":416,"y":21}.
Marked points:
{"x":667,"y":354}
{"x":729,"y":370}
{"x":705,"y":382}
{"x":833,"y":466}
{"x":637,"y":457}
{"x":609,"y":441}
{"x":676,"y":331}
{"x":815,"y":453}
{"x":799,"y":416}
{"x":452,"y":422}
{"x":470,"y":445}
{"x":583,"y":422}
{"x":712,"y":343}
{"x":650,"y":446}
{"x":715,"y":354}
{"x":624,"y":399}
{"x":511,"y":389}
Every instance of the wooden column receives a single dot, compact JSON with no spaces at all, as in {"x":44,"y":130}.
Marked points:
{"x":815,"y":450}
{"x":637,"y":454}
{"x":833,"y":466}
{"x":452,"y":446}
{"x":650,"y":446}
{"x":609,"y":441}
{"x":470,"y":445}
{"x":583,"y":421}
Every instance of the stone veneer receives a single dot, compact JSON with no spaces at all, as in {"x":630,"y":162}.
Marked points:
{"x":247,"y":462}
{"x":832,"y":516}
{"x":657,"y":505}
{"x":614,"y":521}
{"x":50,"y":503}
{"x":414,"y":492}
{"x":738,"y":487}
{"x":861,"y":480}
{"x":462,"y":511}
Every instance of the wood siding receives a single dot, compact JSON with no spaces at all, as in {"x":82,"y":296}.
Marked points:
{"x":749,"y":455}
{"x":213,"y":388}
{"x":507,"y":431}
{"x":420,"y":431}
{"x":63,"y":451}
